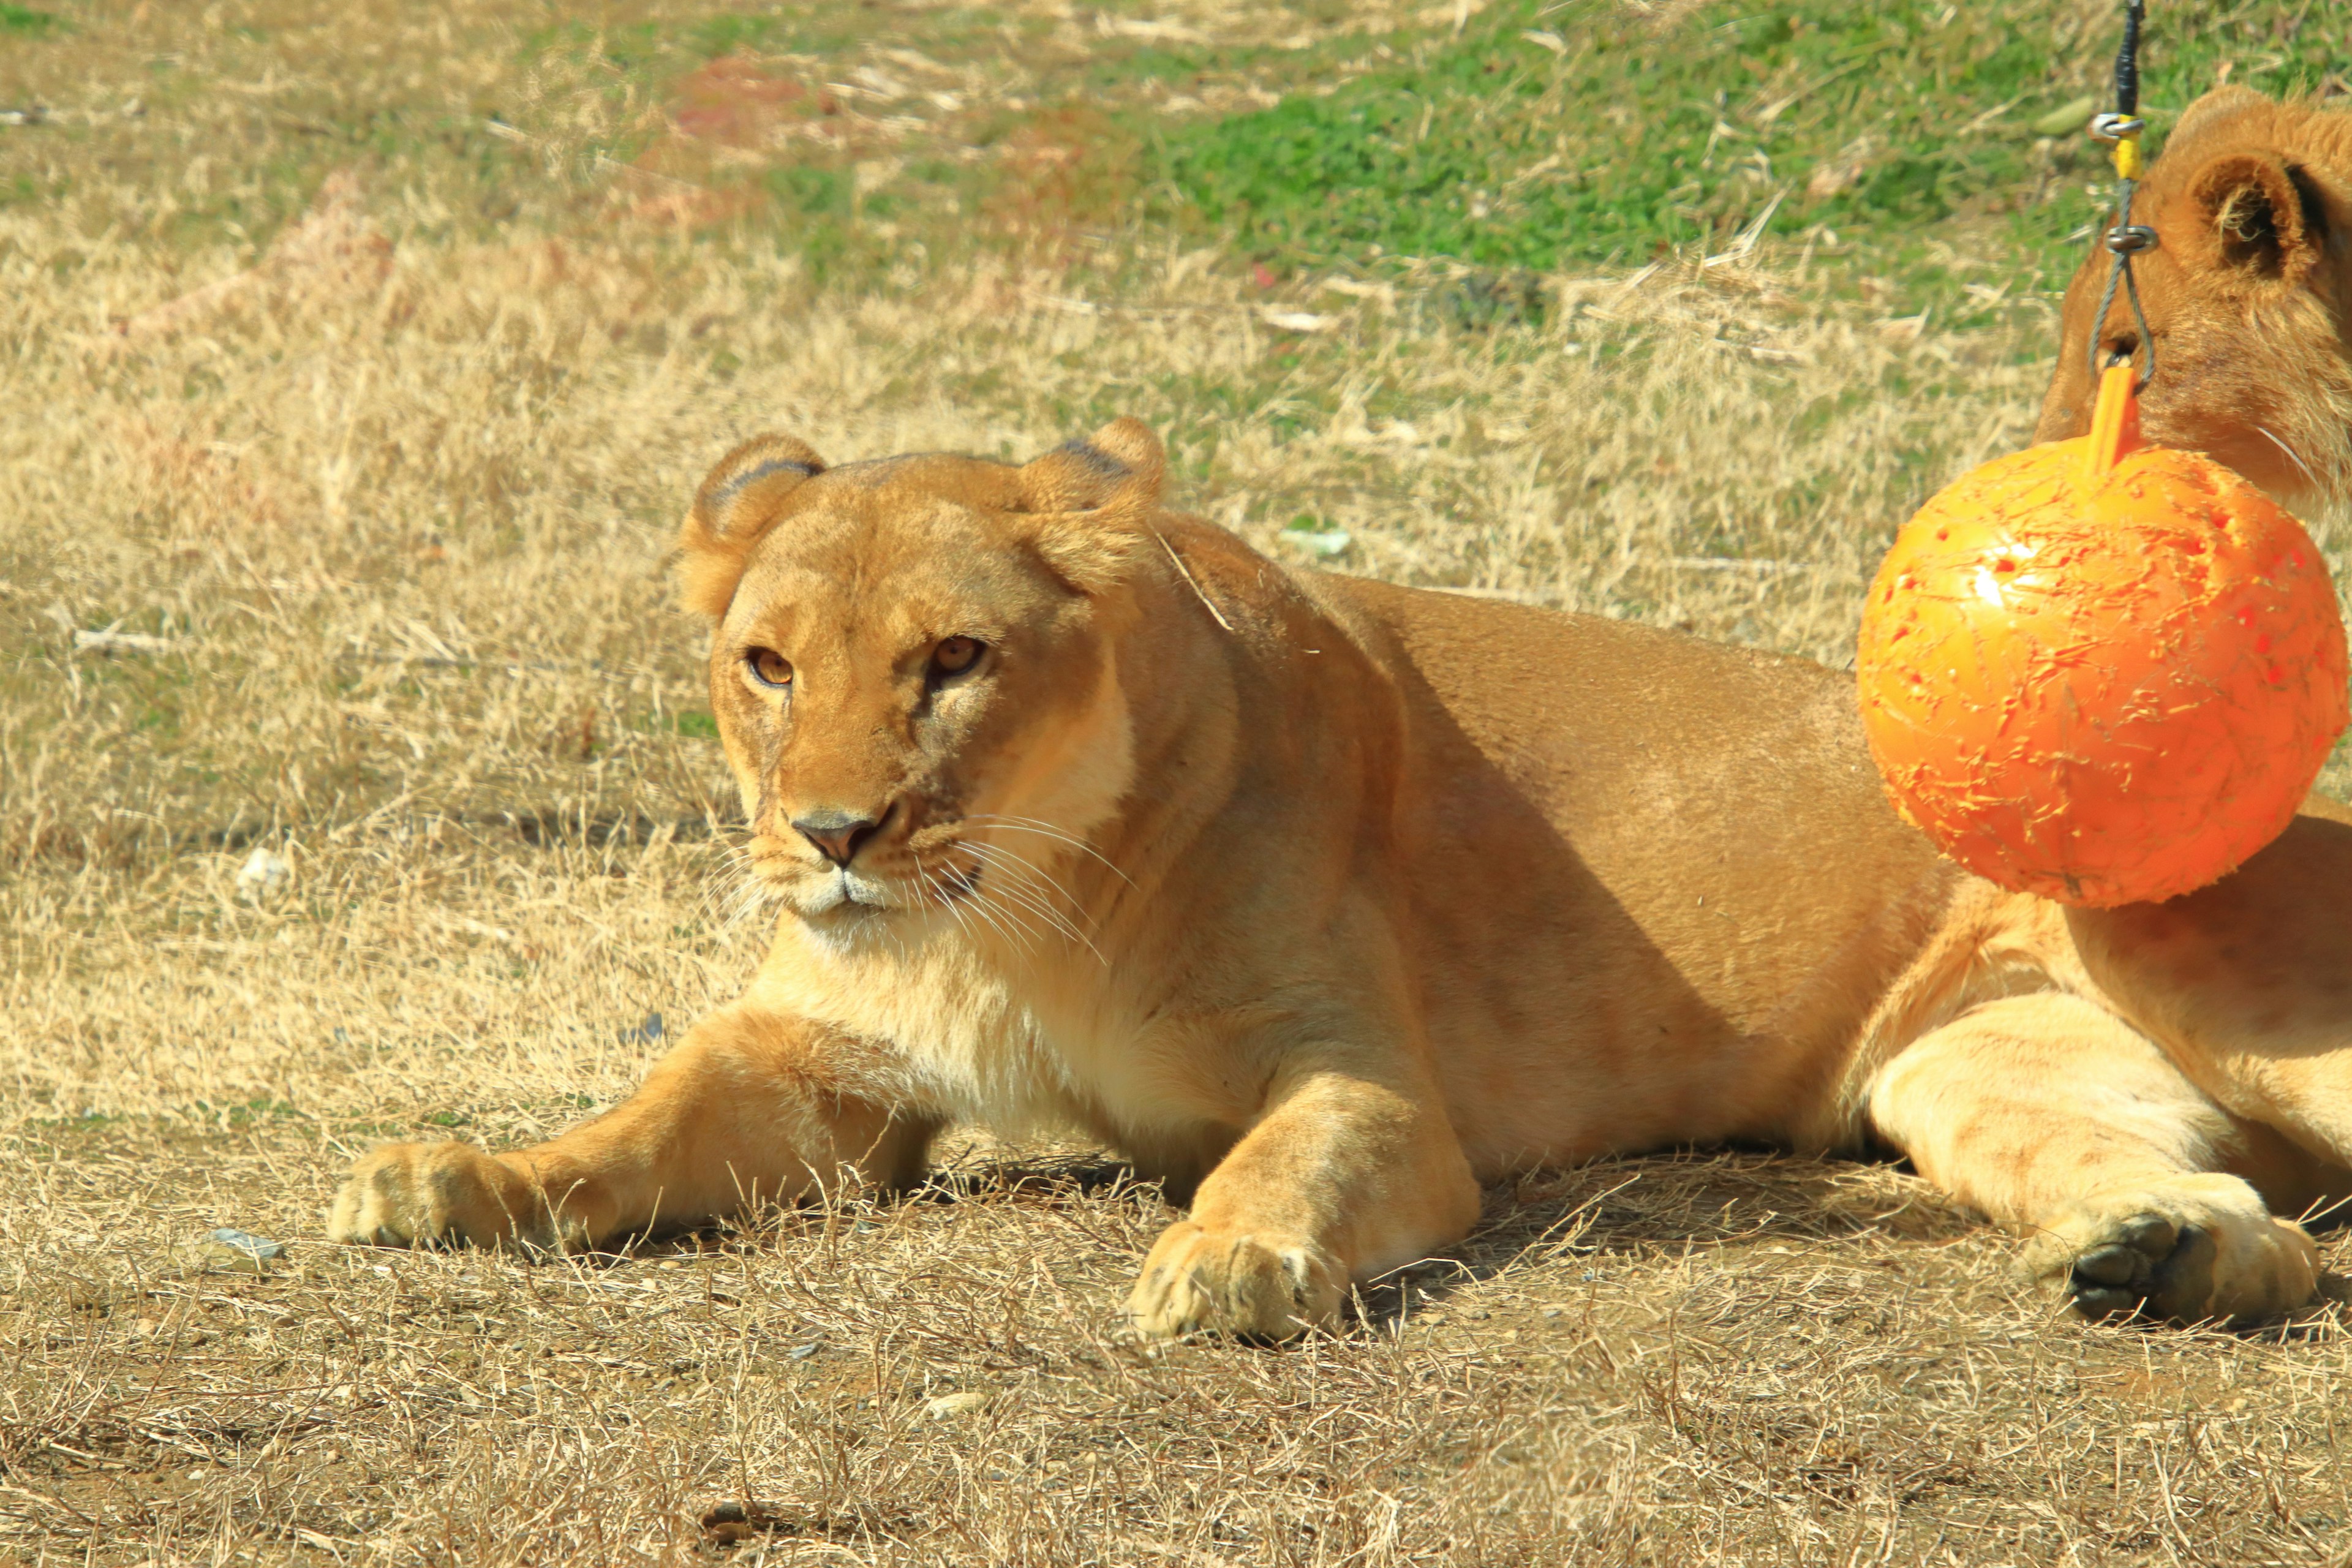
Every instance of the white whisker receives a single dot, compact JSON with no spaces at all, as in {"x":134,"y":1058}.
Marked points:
{"x":1030,"y":868}
{"x":1033,"y":890}
{"x":947,"y":897}
{"x":1015,"y":910}
{"x":2291,"y":456}
{"x":1003,"y":887}
{"x":1001,"y":920}
{"x":1054,"y":920}
{"x":1047,"y":831}
{"x":740,"y":891}
{"x":1017,"y":932}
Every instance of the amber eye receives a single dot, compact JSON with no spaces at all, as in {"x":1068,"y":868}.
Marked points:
{"x":767,"y":667}
{"x":956,"y":655}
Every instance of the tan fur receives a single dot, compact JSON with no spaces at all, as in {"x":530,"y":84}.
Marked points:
{"x":1330,"y":900}
{"x":2248,"y":295}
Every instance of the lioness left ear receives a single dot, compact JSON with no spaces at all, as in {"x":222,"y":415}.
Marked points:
{"x":1094,"y":499}
{"x":738,"y":500}
{"x":2266,"y":216}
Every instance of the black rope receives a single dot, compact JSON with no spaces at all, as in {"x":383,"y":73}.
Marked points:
{"x":2127,"y":59}
{"x":2126,"y":238}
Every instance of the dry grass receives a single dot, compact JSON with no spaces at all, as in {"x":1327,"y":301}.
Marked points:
{"x":396,"y":515}
{"x":1734,"y":1359}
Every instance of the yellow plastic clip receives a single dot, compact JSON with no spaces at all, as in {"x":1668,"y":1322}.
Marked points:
{"x":2127,"y":163}
{"x":2115,"y":422}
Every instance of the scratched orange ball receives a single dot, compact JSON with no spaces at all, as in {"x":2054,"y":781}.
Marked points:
{"x":2104,"y":687}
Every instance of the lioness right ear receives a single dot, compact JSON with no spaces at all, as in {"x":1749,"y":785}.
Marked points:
{"x":1121,"y":462}
{"x":2264,"y":217}
{"x":735,"y":506}
{"x":1096,"y":497}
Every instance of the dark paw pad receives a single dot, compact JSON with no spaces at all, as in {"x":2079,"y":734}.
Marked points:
{"x":2148,"y":1267}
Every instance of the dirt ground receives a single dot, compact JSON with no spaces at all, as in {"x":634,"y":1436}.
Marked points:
{"x":1737,"y":1358}
{"x":356,"y":782}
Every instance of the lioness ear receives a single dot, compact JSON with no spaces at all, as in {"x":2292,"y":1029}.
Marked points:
{"x":734,"y":507}
{"x":1119,"y":465}
{"x":2264,"y":217}
{"x":1094,"y":498}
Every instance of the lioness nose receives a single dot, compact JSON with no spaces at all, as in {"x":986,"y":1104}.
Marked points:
{"x":837,"y":834}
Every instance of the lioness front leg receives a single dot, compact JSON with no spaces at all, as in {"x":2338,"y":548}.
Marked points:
{"x":2247,"y":983}
{"x":2136,"y":1194}
{"x":750,"y":1106}
{"x":1341,"y":1178}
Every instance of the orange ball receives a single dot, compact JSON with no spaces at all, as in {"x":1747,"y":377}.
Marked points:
{"x":2102,"y":672}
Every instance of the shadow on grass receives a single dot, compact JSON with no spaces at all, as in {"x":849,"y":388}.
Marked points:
{"x":1676,"y":1201}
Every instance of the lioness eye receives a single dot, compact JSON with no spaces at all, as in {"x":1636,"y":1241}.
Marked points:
{"x":954,"y":655}
{"x":767,"y":667}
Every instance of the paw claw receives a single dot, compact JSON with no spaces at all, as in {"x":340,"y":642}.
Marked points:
{"x":2098,"y":1301}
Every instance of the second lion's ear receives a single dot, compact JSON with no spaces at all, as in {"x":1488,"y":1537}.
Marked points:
{"x":2264,"y":218}
{"x":735,"y":506}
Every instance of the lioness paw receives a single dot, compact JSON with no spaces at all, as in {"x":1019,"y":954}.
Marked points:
{"x":2192,"y":1249}
{"x":1199,"y":1279}
{"x":412,"y":1194}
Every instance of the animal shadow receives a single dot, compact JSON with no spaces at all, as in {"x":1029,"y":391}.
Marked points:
{"x":1671,"y":1202}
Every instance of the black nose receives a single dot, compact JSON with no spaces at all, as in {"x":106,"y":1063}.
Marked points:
{"x":836,"y":834}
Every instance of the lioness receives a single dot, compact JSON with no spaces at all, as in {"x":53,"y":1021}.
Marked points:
{"x":1329,"y":901}
{"x":2248,"y":295}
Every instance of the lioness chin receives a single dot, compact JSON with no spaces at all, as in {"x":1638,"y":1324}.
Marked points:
{"x":1329,"y":901}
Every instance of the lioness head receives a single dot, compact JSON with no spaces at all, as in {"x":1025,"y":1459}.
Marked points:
{"x":2246,"y":297}
{"x":911,"y":664}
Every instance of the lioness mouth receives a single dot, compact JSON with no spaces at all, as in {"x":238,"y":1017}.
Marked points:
{"x":850,"y":892}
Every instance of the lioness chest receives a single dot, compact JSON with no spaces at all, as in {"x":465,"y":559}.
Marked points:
{"x":1022,"y":1042}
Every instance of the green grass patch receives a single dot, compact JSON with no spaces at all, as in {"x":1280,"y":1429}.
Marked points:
{"x":691,"y":722}
{"x":1924,"y":150}
{"x":1587,"y":136}
{"x":23,"y":21}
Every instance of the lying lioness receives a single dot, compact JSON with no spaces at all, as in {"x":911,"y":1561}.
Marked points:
{"x":2248,"y":295}
{"x":1330,"y":900}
